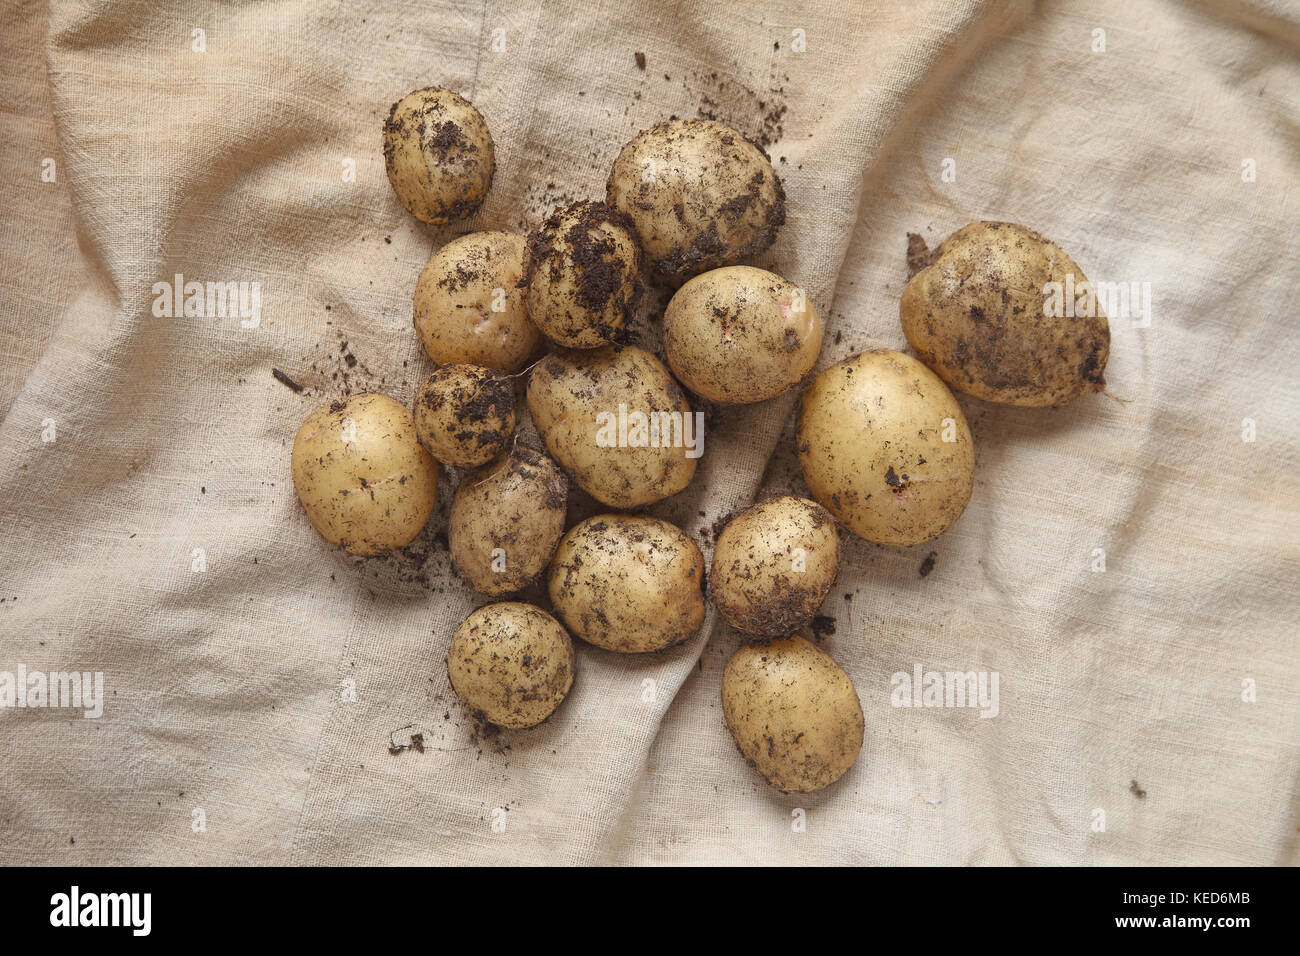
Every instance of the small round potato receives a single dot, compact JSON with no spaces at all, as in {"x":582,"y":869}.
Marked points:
{"x":701,"y":195}
{"x":885,"y":448}
{"x":506,"y":519}
{"x":511,"y":662}
{"x":582,"y":275}
{"x":439,"y":155}
{"x":979,"y":312}
{"x":362,"y":475}
{"x":617,"y":422}
{"x":469,"y":308}
{"x":628,"y":583}
{"x":738,"y":335}
{"x":465,"y":414}
{"x":793,"y":712}
{"x":774,"y":564}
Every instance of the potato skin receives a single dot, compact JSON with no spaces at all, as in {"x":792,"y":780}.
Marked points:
{"x":362,"y":475}
{"x":756,"y":582}
{"x":701,"y":195}
{"x":738,"y":335}
{"x":793,"y":712}
{"x":568,"y":390}
{"x":465,"y":414}
{"x":516,"y":504}
{"x":439,"y":155}
{"x":870,"y":439}
{"x":628,"y":583}
{"x":975,"y":314}
{"x":512,"y":662}
{"x":582,"y":275}
{"x":456,"y":299}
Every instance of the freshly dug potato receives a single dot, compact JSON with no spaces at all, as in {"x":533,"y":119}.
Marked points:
{"x":701,"y":195}
{"x":362,"y":475}
{"x":465,"y":414}
{"x":506,"y":519}
{"x":512,"y":662}
{"x":617,"y":422}
{"x":582,"y":275}
{"x":469,"y":308}
{"x":628,"y":583}
{"x":885,"y":448}
{"x":774,"y":564}
{"x":976,"y":311}
{"x":738,"y":335}
{"x":793,"y":713}
{"x":439,"y":155}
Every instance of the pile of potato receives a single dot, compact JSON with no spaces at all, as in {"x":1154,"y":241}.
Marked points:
{"x":884,"y":446}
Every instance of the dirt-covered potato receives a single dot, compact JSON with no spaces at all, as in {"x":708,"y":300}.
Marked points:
{"x":774,"y":564}
{"x":982,"y":311}
{"x":465,"y":414}
{"x":469,"y":308}
{"x":793,"y":712}
{"x":582,"y":275}
{"x":628,"y":583}
{"x":885,"y":448}
{"x":511,"y":662}
{"x":738,"y":335}
{"x":439,"y":155}
{"x":506,"y":519}
{"x":362,"y":475}
{"x":701,"y":195}
{"x":617,"y":422}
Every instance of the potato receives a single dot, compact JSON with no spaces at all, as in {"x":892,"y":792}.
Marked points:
{"x":582,"y":275}
{"x":617,"y":422}
{"x":738,"y":335}
{"x":362,"y":475}
{"x":439,"y":155}
{"x":701,"y":195}
{"x":628,"y":583}
{"x":774,"y":564}
{"x":469,"y":308}
{"x":465,"y":414}
{"x":506,"y":519}
{"x":977,"y":313}
{"x":793,"y":712}
{"x":511,"y":662}
{"x":885,"y":448}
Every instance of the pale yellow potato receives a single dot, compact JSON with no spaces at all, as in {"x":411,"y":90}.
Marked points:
{"x":977,"y":313}
{"x":628,"y":583}
{"x":793,"y":712}
{"x":506,"y":519}
{"x":362,"y":475}
{"x":774,"y":564}
{"x":582,"y":275}
{"x":469,"y":309}
{"x":512,"y":662}
{"x":579,"y":402}
{"x":439,"y":155}
{"x":738,"y":335}
{"x":701,"y":195}
{"x":873,"y":439}
{"x":465,"y":414}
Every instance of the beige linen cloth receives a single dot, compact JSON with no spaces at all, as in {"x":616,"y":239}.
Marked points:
{"x":255,"y":680}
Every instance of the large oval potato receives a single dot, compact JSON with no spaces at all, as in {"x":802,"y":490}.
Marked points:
{"x":628,"y":583}
{"x":617,"y":422}
{"x":362,"y":475}
{"x":738,"y":335}
{"x":885,"y":448}
{"x":979,"y":312}
{"x":700,"y":193}
{"x":793,"y":712}
{"x":439,"y":155}
{"x":506,"y":520}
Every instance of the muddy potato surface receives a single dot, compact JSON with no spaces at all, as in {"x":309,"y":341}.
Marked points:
{"x":439,"y":155}
{"x":465,"y":414}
